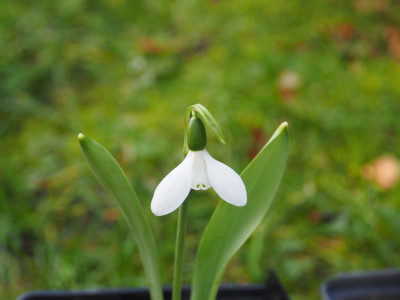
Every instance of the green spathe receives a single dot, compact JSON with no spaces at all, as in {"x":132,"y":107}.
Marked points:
{"x":206,"y":118}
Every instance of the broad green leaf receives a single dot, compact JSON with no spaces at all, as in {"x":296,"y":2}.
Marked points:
{"x":112,"y":177}
{"x":231,"y":226}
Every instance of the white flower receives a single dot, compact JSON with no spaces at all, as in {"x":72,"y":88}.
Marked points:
{"x":198,"y":171}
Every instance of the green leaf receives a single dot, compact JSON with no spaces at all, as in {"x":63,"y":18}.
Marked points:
{"x":231,"y":226}
{"x":112,"y":177}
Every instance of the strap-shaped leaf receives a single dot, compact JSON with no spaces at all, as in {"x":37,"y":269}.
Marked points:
{"x":112,"y":177}
{"x":231,"y":226}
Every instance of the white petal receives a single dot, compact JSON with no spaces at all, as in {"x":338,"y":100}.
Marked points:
{"x":226,"y":182}
{"x":200,"y":176}
{"x":174,"y":188}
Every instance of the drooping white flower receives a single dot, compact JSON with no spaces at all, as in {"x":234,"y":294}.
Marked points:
{"x":198,"y":171}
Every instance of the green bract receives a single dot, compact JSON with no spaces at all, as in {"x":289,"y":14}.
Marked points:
{"x":207,"y":119}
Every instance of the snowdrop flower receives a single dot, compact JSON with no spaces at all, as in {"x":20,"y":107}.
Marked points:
{"x":198,"y":171}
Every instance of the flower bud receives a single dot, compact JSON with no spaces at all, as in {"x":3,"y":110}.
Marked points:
{"x":196,"y":134}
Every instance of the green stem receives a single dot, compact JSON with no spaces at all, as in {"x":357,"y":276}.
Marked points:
{"x":179,"y":249}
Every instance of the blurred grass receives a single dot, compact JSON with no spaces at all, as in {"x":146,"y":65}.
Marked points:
{"x":124,"y":72}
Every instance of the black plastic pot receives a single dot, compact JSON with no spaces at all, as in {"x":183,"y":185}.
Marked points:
{"x":271,"y":290}
{"x":372,"y":285}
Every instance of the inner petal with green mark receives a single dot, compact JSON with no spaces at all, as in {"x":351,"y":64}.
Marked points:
{"x":200,"y":176}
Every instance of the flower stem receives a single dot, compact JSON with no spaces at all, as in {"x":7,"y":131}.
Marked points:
{"x":179,"y":249}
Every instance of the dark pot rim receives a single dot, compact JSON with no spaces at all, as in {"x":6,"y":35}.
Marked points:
{"x":271,"y":289}
{"x":226,"y":288}
{"x":359,"y":283}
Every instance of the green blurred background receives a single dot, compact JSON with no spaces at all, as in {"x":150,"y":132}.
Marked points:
{"x":123,"y":72}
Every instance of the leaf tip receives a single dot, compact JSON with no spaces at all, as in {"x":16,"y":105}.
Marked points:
{"x":81,"y":136}
{"x":282,"y":127}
